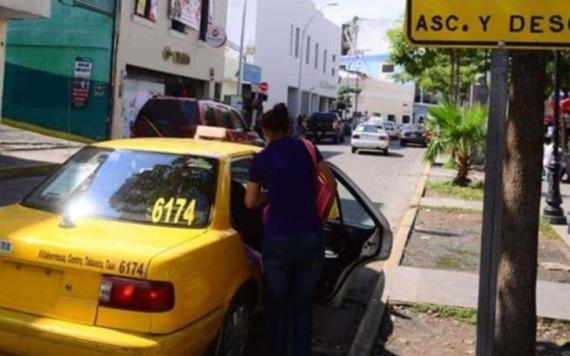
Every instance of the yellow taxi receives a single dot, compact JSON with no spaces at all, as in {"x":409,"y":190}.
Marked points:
{"x":145,"y":247}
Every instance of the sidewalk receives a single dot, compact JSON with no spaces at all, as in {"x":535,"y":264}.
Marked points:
{"x":460,"y":289}
{"x":25,"y":153}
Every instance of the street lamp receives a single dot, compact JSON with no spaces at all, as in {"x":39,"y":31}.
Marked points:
{"x":302,"y":54}
{"x":553,"y":211}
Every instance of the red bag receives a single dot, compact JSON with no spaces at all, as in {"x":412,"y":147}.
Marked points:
{"x":325,"y":197}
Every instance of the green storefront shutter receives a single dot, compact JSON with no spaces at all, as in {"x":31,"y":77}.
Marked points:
{"x":103,"y":6}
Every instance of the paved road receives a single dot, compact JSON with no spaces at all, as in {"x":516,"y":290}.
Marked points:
{"x":388,"y":180}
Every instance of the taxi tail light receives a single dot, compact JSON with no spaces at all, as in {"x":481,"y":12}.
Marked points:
{"x":136,"y":295}
{"x":356,"y":136}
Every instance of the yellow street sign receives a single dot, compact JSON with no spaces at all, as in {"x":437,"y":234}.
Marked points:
{"x":489,"y":23}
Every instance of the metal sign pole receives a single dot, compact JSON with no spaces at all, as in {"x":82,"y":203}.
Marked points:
{"x":493,"y":203}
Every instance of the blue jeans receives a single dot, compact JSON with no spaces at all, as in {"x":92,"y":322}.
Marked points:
{"x":292,"y":267}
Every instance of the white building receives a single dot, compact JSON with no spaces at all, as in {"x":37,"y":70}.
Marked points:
{"x":393,"y":101}
{"x":279,"y":28}
{"x":17,"y":10}
{"x":158,"y":52}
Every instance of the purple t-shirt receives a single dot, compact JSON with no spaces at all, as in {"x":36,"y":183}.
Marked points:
{"x":286,"y":169}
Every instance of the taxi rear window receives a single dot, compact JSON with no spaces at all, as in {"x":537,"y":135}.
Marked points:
{"x":135,"y":186}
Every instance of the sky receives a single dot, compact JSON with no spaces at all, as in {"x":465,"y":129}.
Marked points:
{"x":386,"y":10}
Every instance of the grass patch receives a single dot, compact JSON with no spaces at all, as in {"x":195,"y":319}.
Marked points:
{"x":548,"y":231}
{"x":451,"y":210}
{"x":463,"y":315}
{"x":448,"y":262}
{"x":472,"y":192}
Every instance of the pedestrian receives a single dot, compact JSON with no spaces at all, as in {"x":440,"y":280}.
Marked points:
{"x":284,"y":176}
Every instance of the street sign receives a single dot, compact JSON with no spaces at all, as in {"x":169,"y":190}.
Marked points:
{"x":262,"y":88}
{"x":489,"y":23}
{"x":216,"y":36}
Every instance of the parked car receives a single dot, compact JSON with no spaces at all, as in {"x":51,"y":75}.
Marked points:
{"x":325,"y":125}
{"x":392,"y":130}
{"x":180,"y":117}
{"x":146,"y":247}
{"x":370,"y":137}
{"x":412,"y":134}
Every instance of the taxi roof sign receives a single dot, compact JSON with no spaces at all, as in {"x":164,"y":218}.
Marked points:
{"x":489,"y":23}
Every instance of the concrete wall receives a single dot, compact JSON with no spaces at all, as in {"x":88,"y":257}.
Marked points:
{"x":22,"y":9}
{"x":141,"y":44}
{"x":274,"y":53}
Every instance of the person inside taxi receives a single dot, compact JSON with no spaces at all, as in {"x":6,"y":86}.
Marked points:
{"x":283,"y":177}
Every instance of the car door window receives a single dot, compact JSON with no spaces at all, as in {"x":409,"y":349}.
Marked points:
{"x":210,"y":116}
{"x":237,"y":120}
{"x":349,"y":211}
{"x":227,"y":121}
{"x":248,"y":222}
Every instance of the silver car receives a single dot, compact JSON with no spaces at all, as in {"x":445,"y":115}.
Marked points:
{"x":370,"y":137}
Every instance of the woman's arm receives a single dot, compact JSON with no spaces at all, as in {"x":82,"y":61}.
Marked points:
{"x":254,"y":197}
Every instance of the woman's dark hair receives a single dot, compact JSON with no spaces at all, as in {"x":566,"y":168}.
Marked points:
{"x":276,"y":120}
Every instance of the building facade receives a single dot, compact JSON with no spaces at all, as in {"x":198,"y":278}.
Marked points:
{"x":278,"y":41}
{"x":58,"y":71}
{"x":161,"y":50}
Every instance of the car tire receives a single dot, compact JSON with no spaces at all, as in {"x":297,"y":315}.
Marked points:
{"x":354,"y":150}
{"x":403,"y":143}
{"x":387,"y":152}
{"x":336,"y":139}
{"x":234,"y":333}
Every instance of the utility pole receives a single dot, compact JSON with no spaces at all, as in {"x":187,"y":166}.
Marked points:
{"x":242,"y":49}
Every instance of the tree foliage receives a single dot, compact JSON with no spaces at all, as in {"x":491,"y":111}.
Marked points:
{"x":456,"y":131}
{"x":431,"y":68}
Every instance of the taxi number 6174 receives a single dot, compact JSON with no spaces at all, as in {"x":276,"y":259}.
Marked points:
{"x":174,"y":210}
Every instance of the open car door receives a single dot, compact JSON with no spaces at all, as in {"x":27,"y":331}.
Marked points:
{"x":356,"y":234}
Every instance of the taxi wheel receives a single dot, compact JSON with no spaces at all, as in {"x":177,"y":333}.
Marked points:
{"x":234,"y":333}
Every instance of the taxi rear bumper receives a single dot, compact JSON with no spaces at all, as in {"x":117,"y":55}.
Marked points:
{"x":27,"y":334}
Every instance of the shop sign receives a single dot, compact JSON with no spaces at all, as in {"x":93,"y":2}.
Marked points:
{"x":216,"y":36}
{"x":81,"y":84}
{"x":176,"y":57}
{"x":486,"y":23}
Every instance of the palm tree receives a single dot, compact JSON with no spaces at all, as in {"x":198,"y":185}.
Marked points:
{"x":456,"y":131}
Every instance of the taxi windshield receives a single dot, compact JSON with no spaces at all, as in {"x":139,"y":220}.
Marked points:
{"x":136,"y":186}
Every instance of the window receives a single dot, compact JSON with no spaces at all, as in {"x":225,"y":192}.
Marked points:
{"x":291,"y":34}
{"x":297,"y":41}
{"x":227,"y":120}
{"x":308,"y":50}
{"x":406,"y":119}
{"x":350,"y":211}
{"x":392,"y":118}
{"x":147,"y":9}
{"x":333,"y":72}
{"x":239,"y":124}
{"x":316,"y":56}
{"x":135,"y":186}
{"x":240,"y":170}
{"x":178,"y":26}
{"x":334,"y":58}
{"x":325,"y":62}
{"x":387,"y":68}
{"x":210,"y":114}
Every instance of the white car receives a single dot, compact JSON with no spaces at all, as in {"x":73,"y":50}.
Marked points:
{"x":370,"y":137}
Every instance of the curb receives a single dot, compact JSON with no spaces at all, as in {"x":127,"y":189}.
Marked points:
{"x":27,"y":171}
{"x":363,"y":342}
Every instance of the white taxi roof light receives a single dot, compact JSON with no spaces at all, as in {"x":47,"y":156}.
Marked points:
{"x":211,"y":133}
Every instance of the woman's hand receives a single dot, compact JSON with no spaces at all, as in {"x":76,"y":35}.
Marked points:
{"x":254,"y":196}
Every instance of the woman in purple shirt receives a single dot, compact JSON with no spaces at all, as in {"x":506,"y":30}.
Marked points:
{"x":283,"y":176}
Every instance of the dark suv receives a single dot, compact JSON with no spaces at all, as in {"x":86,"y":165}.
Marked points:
{"x":324,"y":125}
{"x":180,"y":117}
